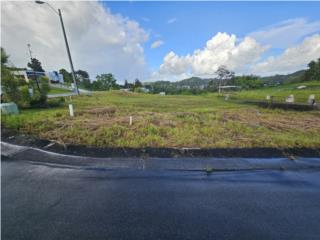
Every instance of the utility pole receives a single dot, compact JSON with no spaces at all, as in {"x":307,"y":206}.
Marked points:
{"x":68,"y":51}
{"x":66,"y":42}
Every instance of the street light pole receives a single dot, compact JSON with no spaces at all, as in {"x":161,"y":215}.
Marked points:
{"x":68,"y":50}
{"x":66,"y":42}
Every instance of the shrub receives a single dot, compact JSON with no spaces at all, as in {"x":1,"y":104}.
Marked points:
{"x":39,"y":98}
{"x":10,"y":86}
{"x":44,"y":85}
{"x":55,"y":102}
{"x":25,"y":97}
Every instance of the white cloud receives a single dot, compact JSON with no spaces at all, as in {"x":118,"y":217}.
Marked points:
{"x":157,"y":44}
{"x":100,"y":41}
{"x":222,"y":49}
{"x":286,"y":33}
{"x":171,"y":20}
{"x":241,"y":56}
{"x":156,"y":75}
{"x":292,"y":59}
{"x":173,"y":64}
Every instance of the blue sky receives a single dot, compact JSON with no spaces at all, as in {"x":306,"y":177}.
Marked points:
{"x":188,"y":38}
{"x":196,"y":22}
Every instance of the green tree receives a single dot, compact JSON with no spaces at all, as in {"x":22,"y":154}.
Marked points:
{"x":86,"y":83}
{"x":82,"y":76}
{"x":248,"y":82}
{"x":4,"y":57}
{"x":83,"y":79}
{"x":213,"y":85}
{"x":126,"y":84}
{"x":35,"y":65}
{"x":15,"y":92}
{"x":67,"y":77}
{"x":104,"y":82}
{"x":313,"y":73}
{"x":10,"y":86}
{"x":137,"y":83}
{"x":9,"y":83}
{"x":224,"y":75}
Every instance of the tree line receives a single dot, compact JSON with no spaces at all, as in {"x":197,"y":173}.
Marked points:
{"x":103,"y":82}
{"x":107,"y":81}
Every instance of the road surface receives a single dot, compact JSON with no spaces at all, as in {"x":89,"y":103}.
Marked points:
{"x":46,"y":198}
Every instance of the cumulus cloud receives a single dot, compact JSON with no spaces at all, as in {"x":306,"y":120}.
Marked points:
{"x":286,"y":33}
{"x":171,"y":20}
{"x":173,"y":64}
{"x":156,"y":75}
{"x":100,"y":41}
{"x":157,"y":44}
{"x":292,"y":59}
{"x":222,"y":49}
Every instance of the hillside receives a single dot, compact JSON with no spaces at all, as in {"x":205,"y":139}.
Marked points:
{"x":289,"y":78}
{"x":195,"y":84}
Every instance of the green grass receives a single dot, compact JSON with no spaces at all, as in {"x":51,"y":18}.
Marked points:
{"x":173,"y":121}
{"x":58,"y":91}
{"x":281,"y":92}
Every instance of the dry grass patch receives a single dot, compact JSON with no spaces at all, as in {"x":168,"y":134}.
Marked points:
{"x":285,"y":121}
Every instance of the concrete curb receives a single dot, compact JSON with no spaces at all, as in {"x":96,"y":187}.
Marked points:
{"x":154,"y":152}
{"x":209,"y":165}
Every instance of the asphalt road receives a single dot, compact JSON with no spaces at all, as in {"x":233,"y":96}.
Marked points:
{"x":47,"y":200}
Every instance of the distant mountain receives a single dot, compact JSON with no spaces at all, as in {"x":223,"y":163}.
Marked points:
{"x":281,"y":79}
{"x":196,"y":83}
{"x":193,"y":82}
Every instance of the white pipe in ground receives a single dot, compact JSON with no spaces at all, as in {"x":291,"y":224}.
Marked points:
{"x":71,"y":110}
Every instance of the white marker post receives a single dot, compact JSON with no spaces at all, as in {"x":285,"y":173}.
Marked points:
{"x":130,"y":120}
{"x":71,"y":110}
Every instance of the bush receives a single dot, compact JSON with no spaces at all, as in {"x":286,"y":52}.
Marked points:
{"x":10,"y":86}
{"x":39,"y":98}
{"x":25,"y":97}
{"x":138,"y":90}
{"x":44,"y":85}
{"x":55,"y":102}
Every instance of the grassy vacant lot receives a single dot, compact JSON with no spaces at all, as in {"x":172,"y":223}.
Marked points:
{"x":54,"y":90}
{"x":281,"y":92}
{"x":174,"y":121}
